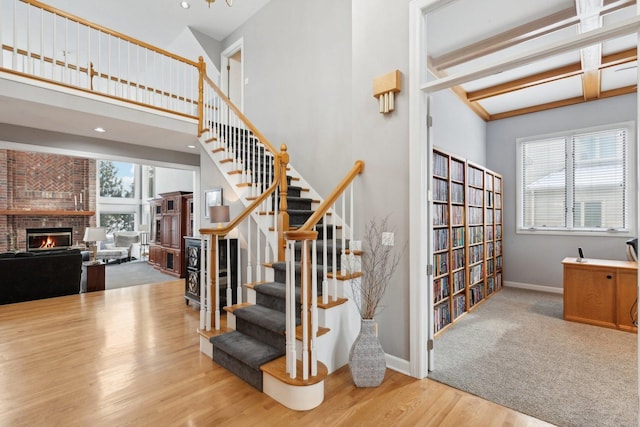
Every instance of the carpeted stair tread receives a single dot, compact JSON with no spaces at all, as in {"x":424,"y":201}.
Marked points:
{"x":246,"y":349}
{"x":267,"y":318}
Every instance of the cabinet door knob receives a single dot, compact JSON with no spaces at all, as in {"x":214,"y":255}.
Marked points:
{"x":609,"y":276}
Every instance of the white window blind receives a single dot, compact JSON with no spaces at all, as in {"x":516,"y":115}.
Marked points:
{"x":574,"y":182}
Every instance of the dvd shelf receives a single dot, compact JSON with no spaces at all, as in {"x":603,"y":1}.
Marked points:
{"x":467,"y":236}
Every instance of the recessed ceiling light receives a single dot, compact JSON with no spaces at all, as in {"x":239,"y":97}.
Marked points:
{"x":185,"y":5}
{"x":101,"y":130}
{"x":191,"y":146}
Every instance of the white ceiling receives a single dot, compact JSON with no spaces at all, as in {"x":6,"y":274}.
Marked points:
{"x":161,"y":22}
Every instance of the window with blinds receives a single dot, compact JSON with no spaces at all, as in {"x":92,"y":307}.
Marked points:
{"x":576,"y":181}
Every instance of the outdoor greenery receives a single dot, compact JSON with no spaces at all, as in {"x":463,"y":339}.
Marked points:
{"x":110,"y":184}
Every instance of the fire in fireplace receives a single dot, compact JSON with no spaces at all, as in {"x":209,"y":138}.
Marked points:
{"x":44,"y":239}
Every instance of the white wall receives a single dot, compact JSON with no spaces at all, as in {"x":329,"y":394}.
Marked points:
{"x":457,"y":129}
{"x":296,"y":57}
{"x":168,"y":180}
{"x":536,"y":259}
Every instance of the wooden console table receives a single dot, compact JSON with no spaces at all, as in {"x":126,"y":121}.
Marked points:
{"x":601,"y":292}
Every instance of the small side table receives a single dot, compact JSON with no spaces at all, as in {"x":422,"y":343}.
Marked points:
{"x":95,"y":276}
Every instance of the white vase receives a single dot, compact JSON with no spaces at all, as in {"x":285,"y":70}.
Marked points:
{"x":366,"y":358}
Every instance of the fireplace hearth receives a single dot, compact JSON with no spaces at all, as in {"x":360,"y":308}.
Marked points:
{"x":46,"y":239}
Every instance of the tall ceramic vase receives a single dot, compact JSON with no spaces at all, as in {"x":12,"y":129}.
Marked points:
{"x":366,"y":358}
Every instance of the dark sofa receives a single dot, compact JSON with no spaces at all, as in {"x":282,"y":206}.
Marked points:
{"x":26,"y":276}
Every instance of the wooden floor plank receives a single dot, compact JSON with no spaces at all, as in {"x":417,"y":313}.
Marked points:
{"x":130,"y":356}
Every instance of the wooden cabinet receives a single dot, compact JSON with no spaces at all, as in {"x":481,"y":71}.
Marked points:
{"x":93,"y":277}
{"x":227,"y":261}
{"x":171,"y":221}
{"x":467,"y":236}
{"x":601,"y":292}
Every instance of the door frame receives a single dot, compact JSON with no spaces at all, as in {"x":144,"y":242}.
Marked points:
{"x":235,"y":47}
{"x":421,"y":137}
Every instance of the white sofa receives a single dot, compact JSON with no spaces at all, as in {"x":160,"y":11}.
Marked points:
{"x":119,"y":246}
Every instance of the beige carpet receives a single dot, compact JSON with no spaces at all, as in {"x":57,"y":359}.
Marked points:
{"x":516,"y":350}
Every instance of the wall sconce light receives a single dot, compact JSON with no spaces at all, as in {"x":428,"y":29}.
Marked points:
{"x":384,"y":89}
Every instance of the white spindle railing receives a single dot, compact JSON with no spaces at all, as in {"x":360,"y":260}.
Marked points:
{"x":308,"y":279}
{"x":56,"y":47}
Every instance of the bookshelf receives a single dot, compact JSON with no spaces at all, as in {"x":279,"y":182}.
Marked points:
{"x":467,"y":236}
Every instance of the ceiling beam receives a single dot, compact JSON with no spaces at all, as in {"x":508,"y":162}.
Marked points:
{"x":562,"y":103}
{"x":504,"y":40}
{"x":570,"y":70}
{"x":462,"y":95}
{"x":520,"y":34}
{"x":526,"y":82}
{"x":578,"y":41}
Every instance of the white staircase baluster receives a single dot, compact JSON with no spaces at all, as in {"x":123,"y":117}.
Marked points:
{"x":304,"y":315}
{"x":325,"y":283}
{"x":238,"y":275}
{"x":258,"y":254}
{"x":207,"y":285}
{"x":289,"y":311}
{"x":314,"y":309}
{"x":334,"y":258}
{"x":343,"y":238}
{"x":249,"y":257}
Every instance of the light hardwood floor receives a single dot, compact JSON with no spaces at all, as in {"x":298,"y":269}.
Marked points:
{"x":130,"y":357}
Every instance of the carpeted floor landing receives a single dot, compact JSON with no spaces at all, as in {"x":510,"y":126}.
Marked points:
{"x":516,"y":350}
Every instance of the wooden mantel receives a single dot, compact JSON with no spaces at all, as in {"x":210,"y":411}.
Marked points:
{"x":42,"y":212}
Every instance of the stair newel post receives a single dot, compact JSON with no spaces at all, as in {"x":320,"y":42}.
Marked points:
{"x":202,"y":71}
{"x":204,"y":243}
{"x":305,"y":273}
{"x":283,"y":216}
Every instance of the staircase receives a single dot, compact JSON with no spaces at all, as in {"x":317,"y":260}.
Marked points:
{"x":255,"y":348}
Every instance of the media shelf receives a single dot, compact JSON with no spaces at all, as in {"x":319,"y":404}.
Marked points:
{"x":467,"y":236}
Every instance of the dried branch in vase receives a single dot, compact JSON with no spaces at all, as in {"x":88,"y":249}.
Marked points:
{"x":378,"y":261}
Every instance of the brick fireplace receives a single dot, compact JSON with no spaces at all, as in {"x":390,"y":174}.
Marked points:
{"x":41,"y":190}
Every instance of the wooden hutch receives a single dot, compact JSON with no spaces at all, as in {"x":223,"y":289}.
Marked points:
{"x":172,"y":219}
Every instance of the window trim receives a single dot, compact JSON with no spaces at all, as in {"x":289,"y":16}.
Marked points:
{"x":631,"y":188}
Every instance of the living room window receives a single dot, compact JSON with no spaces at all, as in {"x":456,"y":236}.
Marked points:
{"x":117,"y":179}
{"x":575,"y":181}
{"x":119,"y":195}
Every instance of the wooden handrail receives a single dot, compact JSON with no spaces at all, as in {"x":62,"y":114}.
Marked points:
{"x":280,"y":161}
{"x":46,"y":59}
{"x":242,"y":117}
{"x":324,"y":207}
{"x":108,"y":31}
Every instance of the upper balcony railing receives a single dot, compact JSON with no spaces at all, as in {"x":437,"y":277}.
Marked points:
{"x":47,"y":44}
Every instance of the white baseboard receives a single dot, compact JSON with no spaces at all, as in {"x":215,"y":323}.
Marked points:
{"x":398,"y":365}
{"x":550,"y":289}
